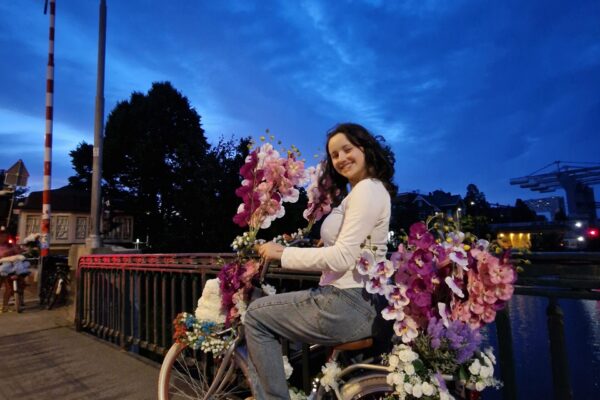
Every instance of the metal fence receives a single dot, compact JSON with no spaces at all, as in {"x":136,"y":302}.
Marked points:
{"x":131,"y":300}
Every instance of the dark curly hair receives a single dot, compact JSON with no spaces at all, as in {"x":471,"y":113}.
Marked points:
{"x":379,"y":160}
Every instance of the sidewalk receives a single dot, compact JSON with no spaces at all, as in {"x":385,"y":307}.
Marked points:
{"x":42,"y":357}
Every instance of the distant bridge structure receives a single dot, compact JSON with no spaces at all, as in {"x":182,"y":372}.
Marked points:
{"x":575,"y":178}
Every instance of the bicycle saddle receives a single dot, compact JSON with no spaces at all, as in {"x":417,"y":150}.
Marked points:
{"x":356,"y":345}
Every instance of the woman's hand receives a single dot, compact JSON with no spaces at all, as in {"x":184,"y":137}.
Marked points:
{"x":270,"y":251}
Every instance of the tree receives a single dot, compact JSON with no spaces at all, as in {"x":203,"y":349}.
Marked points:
{"x":156,"y":157}
{"x":475,"y":202}
{"x":476,"y":218}
{"x":180,"y":189}
{"x":522,"y":213}
{"x":82,"y":160}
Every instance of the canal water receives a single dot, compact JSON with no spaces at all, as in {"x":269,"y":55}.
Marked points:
{"x":532,"y":350}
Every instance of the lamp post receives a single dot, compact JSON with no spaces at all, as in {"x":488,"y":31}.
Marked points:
{"x":94,"y":241}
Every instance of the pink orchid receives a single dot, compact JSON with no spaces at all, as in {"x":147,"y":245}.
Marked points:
{"x":365,"y":263}
{"x":459,"y":256}
{"x":419,"y":236}
{"x":500,"y":274}
{"x":390,"y":313}
{"x":295,"y":171}
{"x":504,"y":291}
{"x":383,"y":269}
{"x":396,"y":295}
{"x":489,"y":296}
{"x":489,"y":315}
{"x":319,"y":202}
{"x":406,"y":329}
{"x":475,"y":307}
{"x":375,"y":286}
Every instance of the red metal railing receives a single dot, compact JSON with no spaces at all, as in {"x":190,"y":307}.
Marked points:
{"x":131,"y":300}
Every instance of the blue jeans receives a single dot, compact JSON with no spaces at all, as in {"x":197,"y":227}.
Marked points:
{"x":324,"y":315}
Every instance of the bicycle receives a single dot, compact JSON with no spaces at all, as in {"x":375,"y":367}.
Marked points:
{"x":193,"y":374}
{"x":55,"y":283}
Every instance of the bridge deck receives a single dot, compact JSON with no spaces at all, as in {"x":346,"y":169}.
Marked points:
{"x":42,"y":357}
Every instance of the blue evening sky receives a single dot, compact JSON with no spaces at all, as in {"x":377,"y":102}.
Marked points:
{"x":464,"y":91}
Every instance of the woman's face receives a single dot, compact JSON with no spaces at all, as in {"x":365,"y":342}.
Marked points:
{"x":348,"y":160}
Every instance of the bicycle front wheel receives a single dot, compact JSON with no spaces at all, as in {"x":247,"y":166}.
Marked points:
{"x":57,"y":292}
{"x":189,"y":374}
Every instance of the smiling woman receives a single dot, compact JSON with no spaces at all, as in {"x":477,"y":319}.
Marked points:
{"x":339,"y":310}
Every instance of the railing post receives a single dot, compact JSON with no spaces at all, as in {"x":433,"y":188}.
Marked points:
{"x":558,"y":351}
{"x":79,"y":292}
{"x":506,"y":355}
{"x":122,"y":308}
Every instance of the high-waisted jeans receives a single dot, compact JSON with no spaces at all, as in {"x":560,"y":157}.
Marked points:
{"x":324,"y":315}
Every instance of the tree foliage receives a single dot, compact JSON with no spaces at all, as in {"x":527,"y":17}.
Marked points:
{"x":476,"y":218}
{"x":158,"y":162}
{"x":81,"y":160}
{"x":522,"y":213}
{"x":179,"y":188}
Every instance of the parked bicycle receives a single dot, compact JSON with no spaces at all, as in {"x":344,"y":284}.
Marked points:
{"x":55,"y":282}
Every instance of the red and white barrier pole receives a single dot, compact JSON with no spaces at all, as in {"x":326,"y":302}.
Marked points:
{"x":45,"y":222}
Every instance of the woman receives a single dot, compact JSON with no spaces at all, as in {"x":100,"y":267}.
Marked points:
{"x":6,"y":250}
{"x":339,"y":310}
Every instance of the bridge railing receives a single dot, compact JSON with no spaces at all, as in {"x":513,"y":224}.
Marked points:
{"x":131,"y":300}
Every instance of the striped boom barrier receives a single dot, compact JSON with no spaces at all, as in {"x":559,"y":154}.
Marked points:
{"x":45,"y":223}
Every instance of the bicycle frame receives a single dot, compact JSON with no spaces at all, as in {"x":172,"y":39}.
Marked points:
{"x":226,"y":368}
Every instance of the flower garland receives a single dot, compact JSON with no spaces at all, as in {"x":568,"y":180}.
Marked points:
{"x":269,"y":180}
{"x":442,"y":287}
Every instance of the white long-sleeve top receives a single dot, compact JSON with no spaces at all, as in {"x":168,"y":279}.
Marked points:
{"x":365,"y":211}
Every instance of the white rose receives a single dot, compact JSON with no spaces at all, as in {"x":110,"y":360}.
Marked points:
{"x":394,"y":378}
{"x":394,"y":361}
{"x":407,"y":355}
{"x":444,"y":396}
{"x":408,"y":388}
{"x":484,"y":372}
{"x":268,"y":289}
{"x":479,"y":386}
{"x":389,"y":379}
{"x":475,"y":367}
{"x":427,"y":388}
{"x":409,"y":369}
{"x":398,"y":379}
{"x":417,"y":391}
{"x":490,"y":353}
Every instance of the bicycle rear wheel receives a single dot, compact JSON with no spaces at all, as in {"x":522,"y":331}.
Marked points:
{"x":188,"y":374}
{"x":367,"y":387}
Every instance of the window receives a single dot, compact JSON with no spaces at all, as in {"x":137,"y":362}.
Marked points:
{"x":32,"y":224}
{"x":121,"y":229}
{"x":81,"y":228}
{"x":59,"y":227}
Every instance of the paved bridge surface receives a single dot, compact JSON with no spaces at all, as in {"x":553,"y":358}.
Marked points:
{"x":42,"y":357}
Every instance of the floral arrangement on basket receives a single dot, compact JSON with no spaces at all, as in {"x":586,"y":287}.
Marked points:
{"x":269,"y":180}
{"x":442,"y":287}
